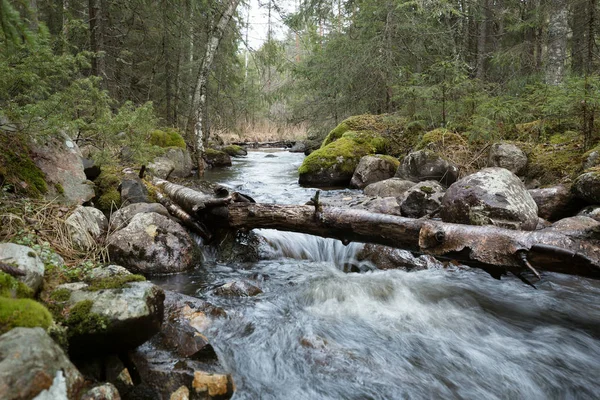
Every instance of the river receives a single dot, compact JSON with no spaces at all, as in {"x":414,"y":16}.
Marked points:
{"x":319,"y":333}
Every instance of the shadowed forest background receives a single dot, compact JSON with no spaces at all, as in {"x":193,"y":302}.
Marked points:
{"x":101,"y":70}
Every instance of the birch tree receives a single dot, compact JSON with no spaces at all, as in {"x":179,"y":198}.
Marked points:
{"x":199,"y":98}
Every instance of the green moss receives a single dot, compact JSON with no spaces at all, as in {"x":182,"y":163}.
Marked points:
{"x":390,"y":159}
{"x":22,"y":313}
{"x":552,"y":163}
{"x":110,"y":200}
{"x":59,"y":188}
{"x":335,"y":133}
{"x":344,"y":154}
{"x":426,"y":189}
{"x":213,"y":153}
{"x":234,"y":150}
{"x":81,"y":319}
{"x":13,"y":288}
{"x":394,"y":130}
{"x":114,"y":282}
{"x":60,"y":295}
{"x":168,"y":137}
{"x":564,"y":138}
{"x":18,"y":169}
{"x":441,"y":138}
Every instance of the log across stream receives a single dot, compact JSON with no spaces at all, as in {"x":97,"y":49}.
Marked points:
{"x":445,"y":332}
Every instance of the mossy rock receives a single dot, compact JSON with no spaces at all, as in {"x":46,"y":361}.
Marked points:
{"x":553,"y":163}
{"x":108,"y":197}
{"x":18,"y":169}
{"x":114,"y":282}
{"x":334,"y":164}
{"x":543,"y":129}
{"x":25,"y":313}
{"x":399,"y":135}
{"x":165,"y":138}
{"x":13,"y":288}
{"x":235,"y":151}
{"x":217,"y":158}
{"x":82,"y":321}
{"x":440,"y":139}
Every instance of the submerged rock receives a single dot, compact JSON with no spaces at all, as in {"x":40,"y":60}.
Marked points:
{"x":26,"y":260}
{"x":372,"y":169}
{"x":492,"y":196}
{"x":241,"y":288}
{"x":153,"y":244}
{"x":31,"y":362}
{"x":385,"y":257}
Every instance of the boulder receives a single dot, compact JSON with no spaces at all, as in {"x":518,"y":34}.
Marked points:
{"x":217,"y":158}
{"x":298,"y":147}
{"x":186,"y":320}
{"x":426,"y":165}
{"x":60,"y":159}
{"x":121,"y":217}
{"x":592,"y":160}
{"x":241,"y":288}
{"x":422,"y":199}
{"x":133,"y":190}
{"x":587,"y":187}
{"x":382,"y":205}
{"x":591,"y":211}
{"x":372,"y":169}
{"x":105,"y":391}
{"x":235,"y":150}
{"x":176,"y":161}
{"x":555,"y":202}
{"x":385,"y":257}
{"x":91,"y":170}
{"x":509,"y":156}
{"x":492,"y":196}
{"x":152,"y":244}
{"x":31,"y":362}
{"x":577,"y":223}
{"x":393,"y":187}
{"x":86,"y":227}
{"x":25,"y":259}
{"x":109,"y":320}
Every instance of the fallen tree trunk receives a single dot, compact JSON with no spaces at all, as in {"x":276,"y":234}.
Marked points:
{"x":494,"y":249}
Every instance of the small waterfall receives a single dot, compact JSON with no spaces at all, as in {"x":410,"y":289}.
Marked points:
{"x":299,"y":246}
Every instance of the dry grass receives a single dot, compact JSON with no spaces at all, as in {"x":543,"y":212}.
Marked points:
{"x":44,"y":223}
{"x":265,"y":131}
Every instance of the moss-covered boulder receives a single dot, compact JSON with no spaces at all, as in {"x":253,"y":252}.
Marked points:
{"x":217,"y":158}
{"x":235,"y":151}
{"x":27,"y":261}
{"x":509,"y":156}
{"x":335,"y":161}
{"x":112,"y":311}
{"x":556,"y":161}
{"x":424,"y":165}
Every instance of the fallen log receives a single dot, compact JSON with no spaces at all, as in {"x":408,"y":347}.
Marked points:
{"x":493,"y":249}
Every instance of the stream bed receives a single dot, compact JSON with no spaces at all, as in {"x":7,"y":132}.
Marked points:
{"x":319,"y":333}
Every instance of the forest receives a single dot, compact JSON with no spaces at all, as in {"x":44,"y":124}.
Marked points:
{"x":331,"y":199}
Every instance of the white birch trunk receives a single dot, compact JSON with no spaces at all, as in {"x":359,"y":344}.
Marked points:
{"x":201,"y":82}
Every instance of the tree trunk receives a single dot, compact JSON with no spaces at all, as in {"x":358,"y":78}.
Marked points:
{"x":97,"y":39}
{"x":557,"y":42}
{"x":482,"y":40}
{"x":198,"y":108}
{"x":579,"y":42}
{"x":493,"y":249}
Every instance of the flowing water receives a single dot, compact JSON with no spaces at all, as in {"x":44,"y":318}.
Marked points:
{"x":319,"y":333}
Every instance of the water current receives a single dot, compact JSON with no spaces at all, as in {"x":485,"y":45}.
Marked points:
{"x":319,"y":333}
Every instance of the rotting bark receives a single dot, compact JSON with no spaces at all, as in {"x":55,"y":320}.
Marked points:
{"x":493,"y":249}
